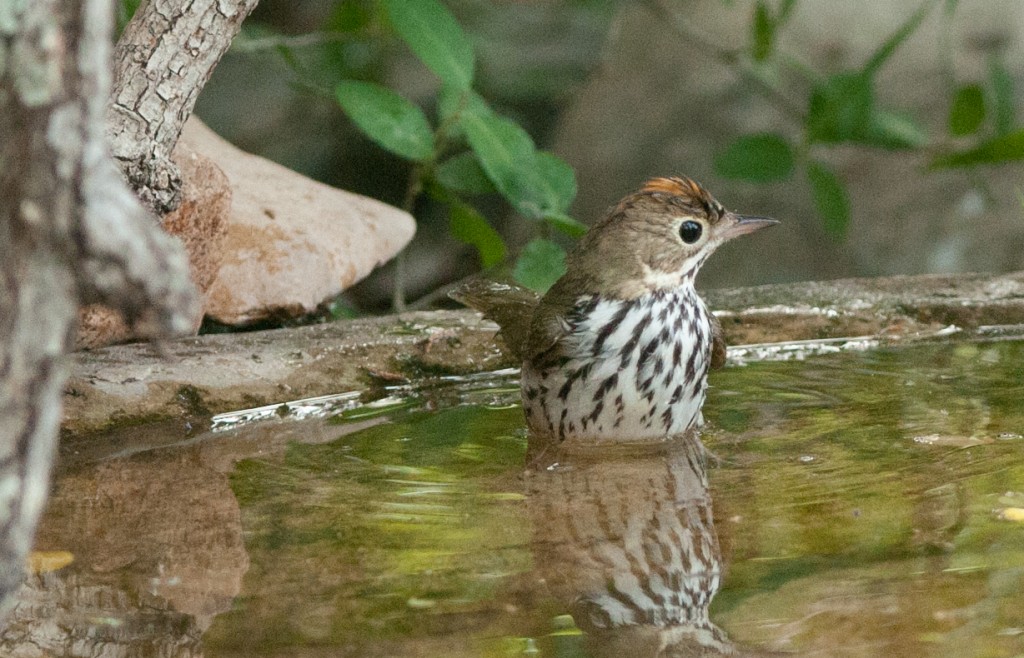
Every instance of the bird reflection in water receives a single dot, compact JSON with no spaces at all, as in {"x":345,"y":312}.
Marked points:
{"x":624,"y":538}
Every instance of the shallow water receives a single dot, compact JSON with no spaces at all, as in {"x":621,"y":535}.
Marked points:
{"x":855,"y":504}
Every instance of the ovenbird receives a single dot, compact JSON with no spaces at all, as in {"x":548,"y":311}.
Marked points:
{"x":620,"y":346}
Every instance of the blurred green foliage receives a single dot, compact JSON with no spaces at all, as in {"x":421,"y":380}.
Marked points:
{"x":464,"y":154}
{"x":470,"y":150}
{"x":842,"y":108}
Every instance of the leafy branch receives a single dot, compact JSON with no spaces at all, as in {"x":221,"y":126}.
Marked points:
{"x":471,"y":151}
{"x":842,"y":108}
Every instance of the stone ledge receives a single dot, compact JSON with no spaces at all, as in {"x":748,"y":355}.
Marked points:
{"x":198,"y":376}
{"x":194,"y":377}
{"x":890,"y":306}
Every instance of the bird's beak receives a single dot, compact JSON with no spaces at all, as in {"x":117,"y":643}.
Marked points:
{"x":737,"y":225}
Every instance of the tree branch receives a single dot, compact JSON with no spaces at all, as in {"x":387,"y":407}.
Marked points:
{"x":70,"y":230}
{"x":162,"y":61}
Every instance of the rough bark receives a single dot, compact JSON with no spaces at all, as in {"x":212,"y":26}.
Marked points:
{"x":162,"y":62}
{"x":70,"y":232}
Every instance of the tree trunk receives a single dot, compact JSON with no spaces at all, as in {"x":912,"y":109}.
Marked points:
{"x":71,"y":232}
{"x":162,"y":62}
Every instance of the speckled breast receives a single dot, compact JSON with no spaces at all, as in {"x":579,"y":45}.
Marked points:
{"x":632,"y":370}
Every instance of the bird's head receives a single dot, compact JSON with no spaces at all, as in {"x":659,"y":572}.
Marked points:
{"x":657,"y":238}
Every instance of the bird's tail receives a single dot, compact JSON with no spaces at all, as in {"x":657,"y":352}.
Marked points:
{"x":509,"y":304}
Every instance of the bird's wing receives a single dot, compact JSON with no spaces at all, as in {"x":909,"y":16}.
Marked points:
{"x":548,"y":336}
{"x":553,"y":335}
{"x":718,"y":346}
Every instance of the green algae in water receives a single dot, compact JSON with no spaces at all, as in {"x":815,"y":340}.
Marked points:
{"x":857,"y":500}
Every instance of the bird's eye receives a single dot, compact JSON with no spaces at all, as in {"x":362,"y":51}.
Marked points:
{"x":690,"y":231}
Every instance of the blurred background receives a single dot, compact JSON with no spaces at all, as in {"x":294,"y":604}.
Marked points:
{"x":930,"y":181}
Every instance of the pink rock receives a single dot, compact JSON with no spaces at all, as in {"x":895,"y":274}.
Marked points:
{"x":292,"y":242}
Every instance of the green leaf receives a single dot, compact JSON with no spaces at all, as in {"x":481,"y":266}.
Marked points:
{"x":541,"y":263}
{"x":469,"y":226}
{"x":451,"y":102}
{"x":388,"y":119}
{"x":534,"y":183}
{"x":892,"y":130}
{"x":830,"y":199}
{"x":565,"y":224}
{"x":435,"y":37}
{"x":886,"y":50}
{"x":967,"y":112}
{"x":507,"y":154}
{"x":348,"y":17}
{"x":558,"y":180}
{"x":464,"y":174}
{"x":759,"y":158}
{"x":764,"y":32}
{"x":840,"y":108}
{"x":1004,"y":148}
{"x":1002,"y":96}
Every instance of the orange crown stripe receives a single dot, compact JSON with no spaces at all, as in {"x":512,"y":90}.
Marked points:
{"x":674,"y":186}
